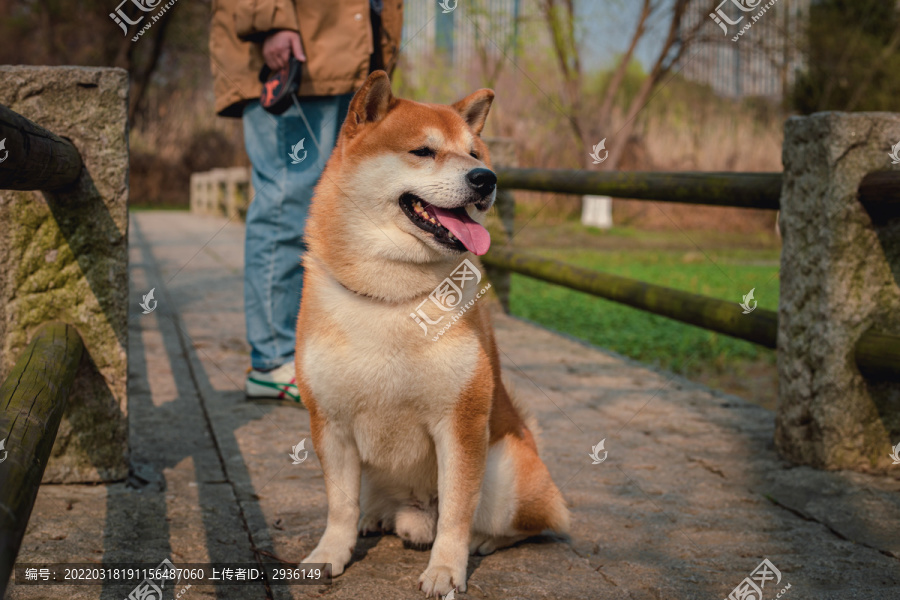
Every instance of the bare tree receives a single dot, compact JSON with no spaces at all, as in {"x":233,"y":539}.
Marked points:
{"x":493,"y":51}
{"x":618,"y":76}
{"x":560,"y":17}
{"x":141,"y":77}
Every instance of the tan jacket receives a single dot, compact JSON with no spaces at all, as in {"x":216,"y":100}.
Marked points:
{"x":336,"y":36}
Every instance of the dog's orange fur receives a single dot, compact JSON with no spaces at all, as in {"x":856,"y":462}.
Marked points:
{"x":481,"y":416}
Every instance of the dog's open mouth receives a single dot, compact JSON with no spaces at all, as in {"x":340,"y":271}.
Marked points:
{"x":453,"y":228}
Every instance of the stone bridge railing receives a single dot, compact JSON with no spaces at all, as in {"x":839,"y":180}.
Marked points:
{"x":221,"y":191}
{"x":63,"y":285}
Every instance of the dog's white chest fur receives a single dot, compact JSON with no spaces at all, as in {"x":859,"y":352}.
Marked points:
{"x":376,"y":376}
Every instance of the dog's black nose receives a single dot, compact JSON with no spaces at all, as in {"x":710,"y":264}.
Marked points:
{"x":482,"y":180}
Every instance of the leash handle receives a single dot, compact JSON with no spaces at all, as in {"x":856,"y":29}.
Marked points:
{"x":278,"y":87}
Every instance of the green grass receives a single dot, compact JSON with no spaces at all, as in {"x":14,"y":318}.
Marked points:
{"x":725,"y":274}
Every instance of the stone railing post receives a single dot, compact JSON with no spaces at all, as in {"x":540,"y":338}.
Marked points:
{"x":226,"y":191}
{"x":840,"y":267}
{"x":234,"y":201}
{"x":503,"y":154}
{"x":209,"y":195}
{"x":196,"y":192}
{"x":248,"y":193}
{"x":64,"y":257}
{"x":230,"y":193}
{"x":220,"y":194}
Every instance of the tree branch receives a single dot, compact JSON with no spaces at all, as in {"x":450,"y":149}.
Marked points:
{"x":615,"y":82}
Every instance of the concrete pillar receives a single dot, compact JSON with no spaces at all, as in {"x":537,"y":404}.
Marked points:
{"x":251,"y":193}
{"x":195,"y":193}
{"x":200,"y":205}
{"x":230,"y":194}
{"x":238,"y":178}
{"x":596,"y":211}
{"x":209,"y":194}
{"x":219,"y":178}
{"x":839,"y":278}
{"x":64,"y":256}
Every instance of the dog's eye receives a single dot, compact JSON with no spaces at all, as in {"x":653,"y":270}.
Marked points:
{"x":423,"y":151}
{"x":473,"y":155}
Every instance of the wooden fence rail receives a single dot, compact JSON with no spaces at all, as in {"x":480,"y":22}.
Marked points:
{"x":32,"y":401}
{"x":742,"y":190}
{"x":877,"y":354}
{"x":35,"y":159}
{"x":760,"y":326}
{"x":745,"y":190}
{"x":224,"y":191}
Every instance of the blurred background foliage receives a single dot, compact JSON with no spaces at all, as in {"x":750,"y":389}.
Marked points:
{"x":544,"y":78}
{"x":852,"y":58}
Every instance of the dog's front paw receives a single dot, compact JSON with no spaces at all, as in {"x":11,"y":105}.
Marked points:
{"x":438,"y":580}
{"x":337,"y":556}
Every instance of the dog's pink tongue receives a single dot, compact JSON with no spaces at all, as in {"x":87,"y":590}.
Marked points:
{"x":473,"y":236}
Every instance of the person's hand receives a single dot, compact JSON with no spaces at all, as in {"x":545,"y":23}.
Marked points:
{"x":278,"y":47}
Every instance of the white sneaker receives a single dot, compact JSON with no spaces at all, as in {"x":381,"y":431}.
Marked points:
{"x":277,"y":384}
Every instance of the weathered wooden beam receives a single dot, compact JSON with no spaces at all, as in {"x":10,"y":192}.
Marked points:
{"x":878,"y":191}
{"x":878,"y":356}
{"x":33,"y":158}
{"x":746,"y":190}
{"x":759,"y":327}
{"x":32,"y":401}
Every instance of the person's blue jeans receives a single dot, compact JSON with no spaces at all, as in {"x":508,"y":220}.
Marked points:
{"x":276,"y":218}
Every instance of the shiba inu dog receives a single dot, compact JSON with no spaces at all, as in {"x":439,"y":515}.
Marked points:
{"x":415,"y":436}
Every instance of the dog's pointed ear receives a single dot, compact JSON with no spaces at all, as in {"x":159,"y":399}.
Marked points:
{"x":371,"y":103}
{"x":474,"y":108}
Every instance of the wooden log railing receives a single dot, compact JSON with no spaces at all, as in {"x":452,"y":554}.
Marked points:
{"x":877,"y":354}
{"x":745,"y":190}
{"x":760,"y":326}
{"x":35,"y":159}
{"x":879,"y":190}
{"x":32,"y":401}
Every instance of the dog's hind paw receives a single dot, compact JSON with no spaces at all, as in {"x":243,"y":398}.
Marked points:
{"x":482,"y":545}
{"x":416,"y":527}
{"x":373,"y":526}
{"x":421,"y":547}
{"x":439,"y":580}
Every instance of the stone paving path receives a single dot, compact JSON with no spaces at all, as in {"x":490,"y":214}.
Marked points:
{"x":690,"y":500}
